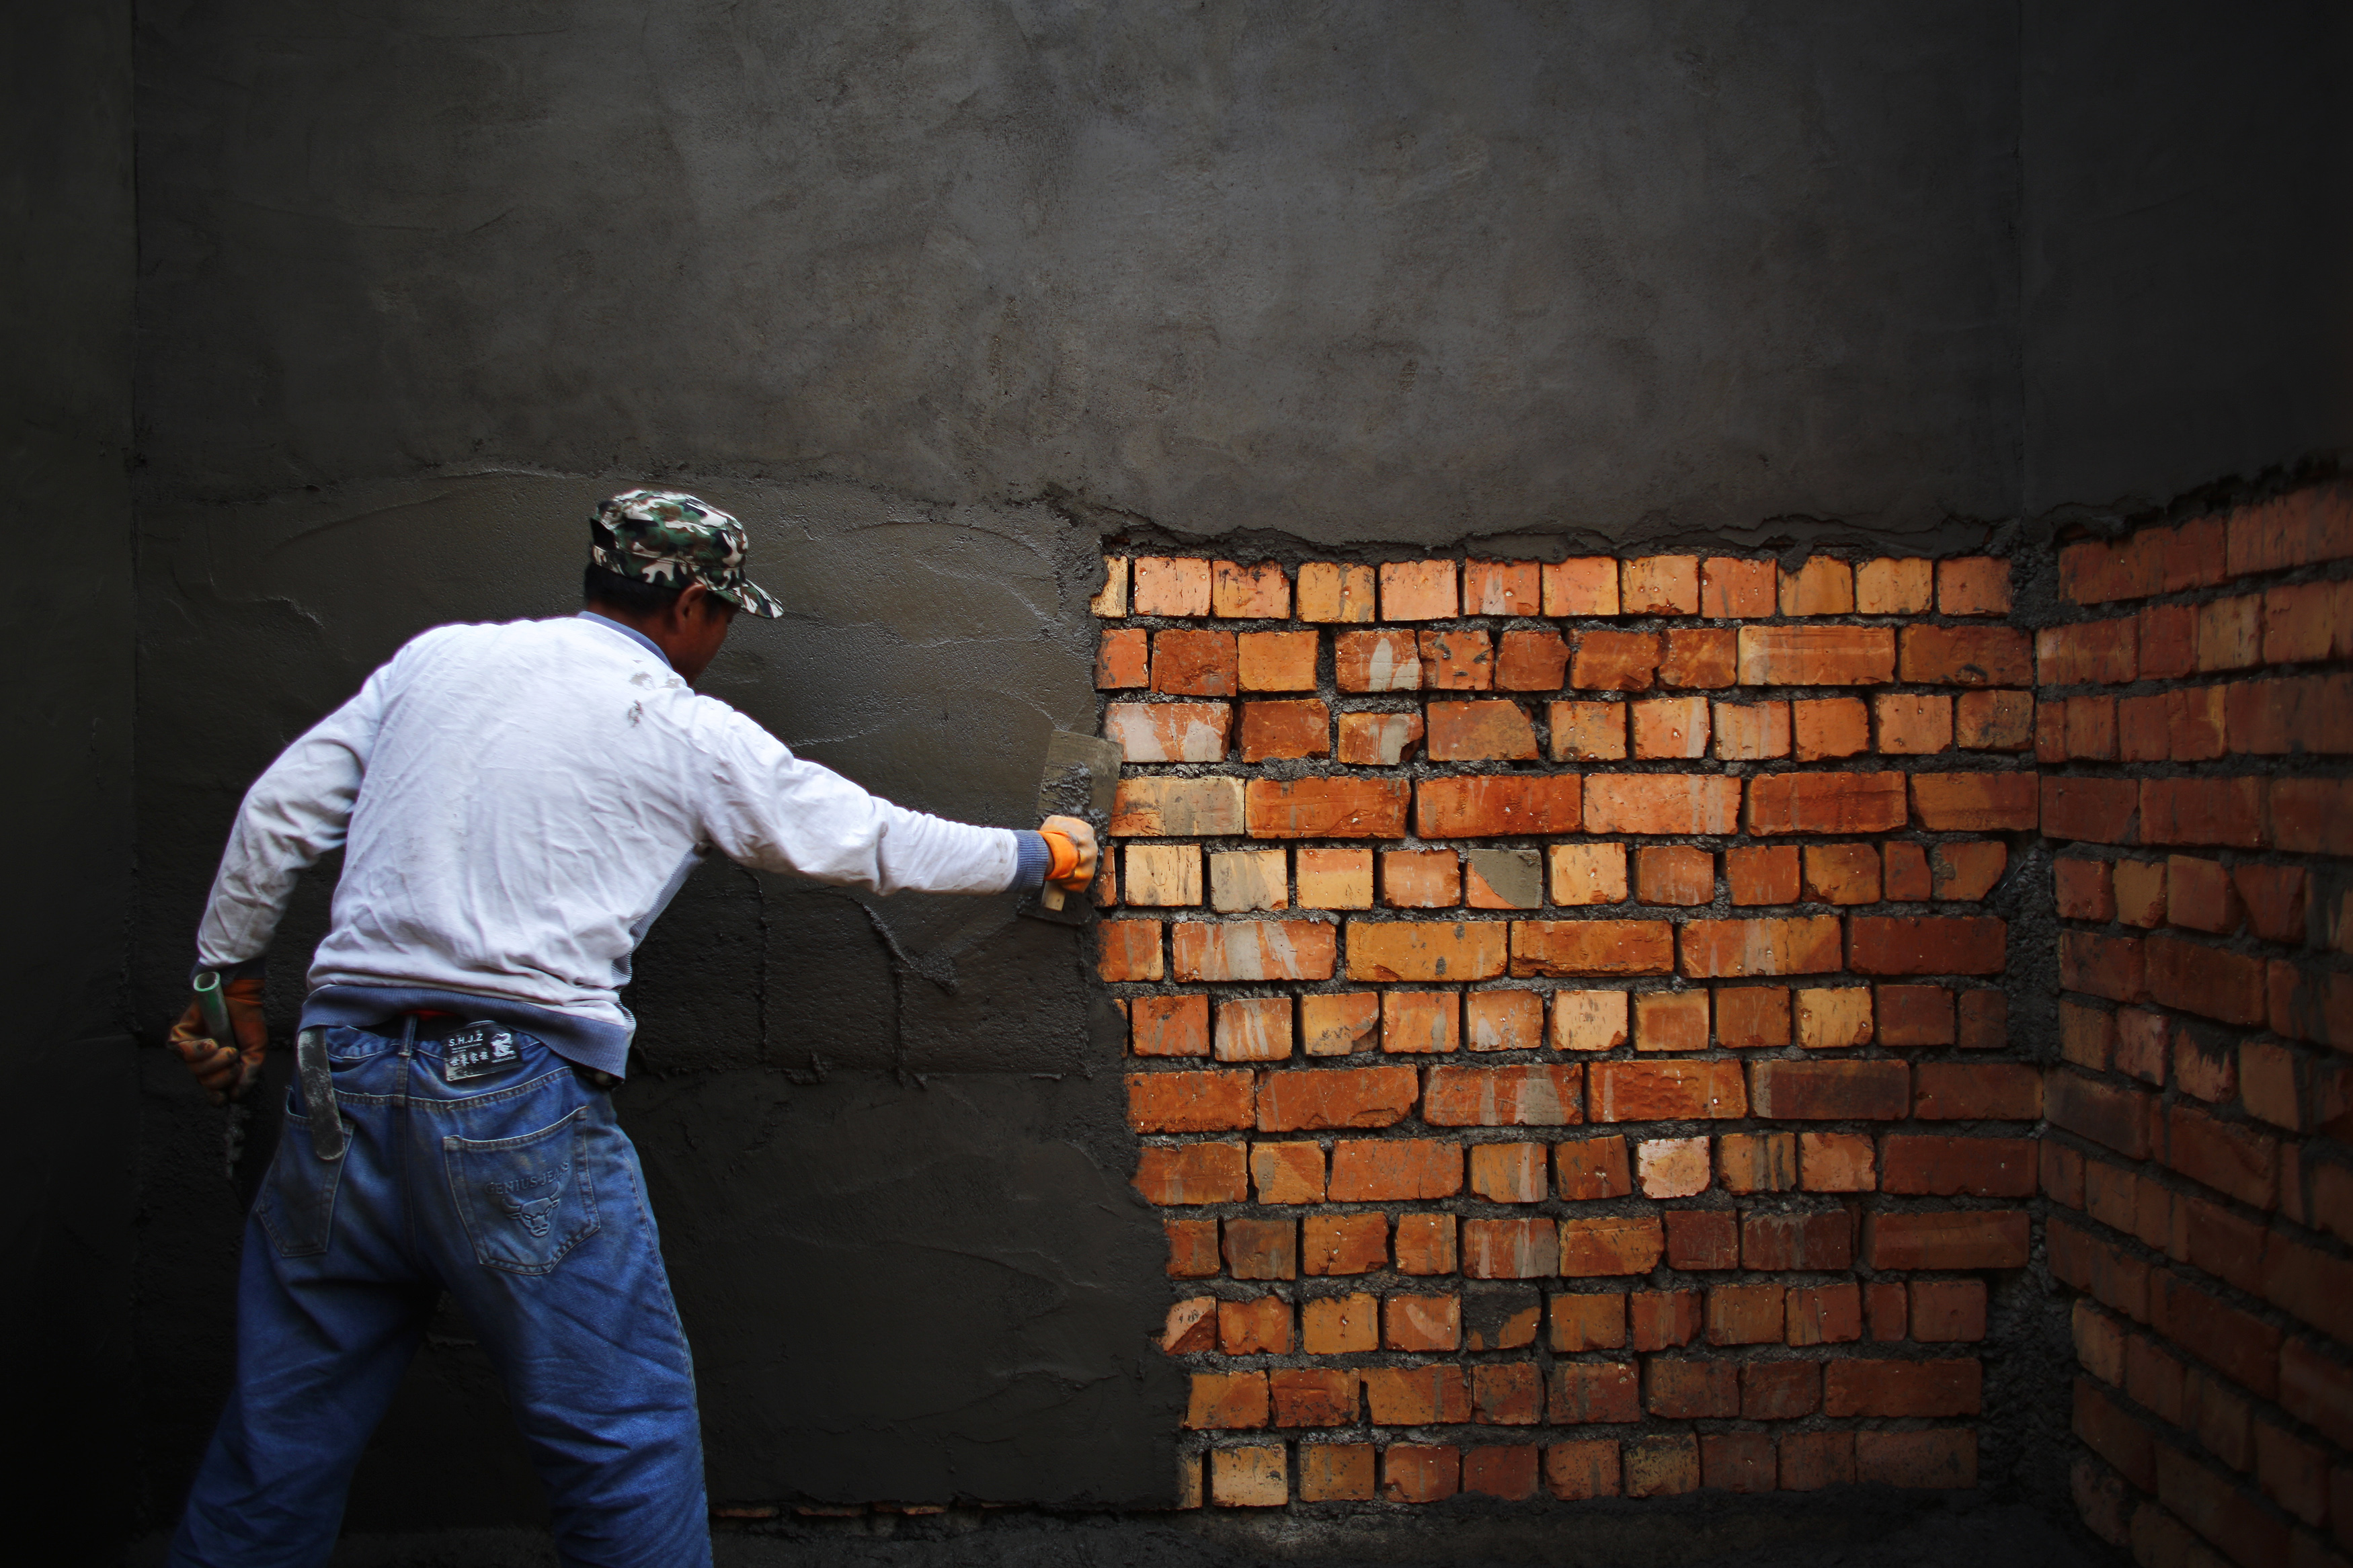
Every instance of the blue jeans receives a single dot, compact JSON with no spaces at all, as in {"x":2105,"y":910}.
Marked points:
{"x":518,"y":1195}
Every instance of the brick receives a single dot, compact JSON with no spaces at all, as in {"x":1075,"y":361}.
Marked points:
{"x":2109,"y":966}
{"x":1252,"y":949}
{"x":1966,"y":656}
{"x":1941,"y":1460}
{"x":1597,"y":1392}
{"x":1169,"y":732}
{"x":2294,"y":529}
{"x":1327,"y":808}
{"x":1313,"y":1396}
{"x":1822,"y":586}
{"x":1503,"y":879}
{"x":1751,"y":1017}
{"x":1913,"y":723}
{"x":2229,"y":811}
{"x":1841,"y":1091}
{"x":1976,"y":585}
{"x":1667,"y":1092}
{"x":1751,"y":732}
{"x":1810,"y":1461}
{"x":1780,"y":1390}
{"x":2313,"y":817}
{"x":1164,"y":875}
{"x":1706,"y":658}
{"x":2166,"y":639}
{"x":1671,"y":1021}
{"x":1968,"y":871}
{"x":1421,"y":1322}
{"x":2219,"y":1510}
{"x":1457,"y":659}
{"x":2308,"y":621}
{"x":1591,"y":1168}
{"x":1483,"y":806}
{"x":1946,"y":1387}
{"x":1419,"y":591}
{"x":1330,"y":591}
{"x":1817,"y":655}
{"x":1980,"y":1239}
{"x":1596,"y":1321}
{"x":1511,"y":1248}
{"x":1972,"y":1091}
{"x":1258,"y":592}
{"x":1189,"y":1101}
{"x":1417,"y":1396}
{"x":1927,"y":944}
{"x":1766,"y":874}
{"x":2207,"y":981}
{"x":1671,"y":1167}
{"x":1683,"y":1389}
{"x":1822,"y":802}
{"x":1504,"y":1020}
{"x":1169,"y":585}
{"x":1276,"y":661}
{"x":1978,"y":1167}
{"x":1737,"y":1462}
{"x":1169,"y":1026}
{"x":1671,"y":727}
{"x":1841,"y":874}
{"x":1378,"y":739}
{"x":1587,"y":732}
{"x":1914,"y":1014}
{"x":1250,"y":1477}
{"x":2096,"y":811}
{"x":1834,"y":1018}
{"x":1480,"y":731}
{"x":1975,"y":801}
{"x":1883,"y":1304}
{"x":1665,"y":803}
{"x":2093,"y":571}
{"x":1994,"y":720}
{"x":1663,"y":1319}
{"x":1535,"y":1095}
{"x":1192,"y":1173}
{"x":1757,"y":1162}
{"x":2231,"y":633}
{"x":1508,"y":1173}
{"x":1111,"y":602}
{"x":1261,"y":1325}
{"x":1660,"y":585}
{"x":1588,"y":1020}
{"x":2273,"y":898}
{"x":1241,"y":880}
{"x":1192,"y":1248}
{"x":2090,"y":728}
{"x":1575,"y":1472}
{"x":1192,"y":1325}
{"x":1585,"y":586}
{"x":1894,"y":587}
{"x":1830,"y":727}
{"x":1425,"y":950}
{"x":2104,"y":1113}
{"x":1286,"y":1174}
{"x":1338,"y":1245}
{"x":1335,"y":879}
{"x":1904,"y":874}
{"x":1339,"y":1025}
{"x":1177,"y":809}
{"x":1425,"y":1243}
{"x":2199,"y":896}
{"x":1123,"y":659}
{"x":2317,"y":1390}
{"x":1501,"y":588}
{"x":1227,"y":1400}
{"x":1333,"y":1097}
{"x":2228,"y":1156}
{"x":1702,"y":1239}
{"x":1262,"y":1248}
{"x":1278,"y":730}
{"x":1192,"y":663}
{"x":1502,"y":1470}
{"x":1823,"y":1240}
{"x":1562,"y":948}
{"x":1380,"y":1171}
{"x":2292,"y":1473}
{"x":1421,"y":879}
{"x":1530,"y":661}
{"x":2084,"y":889}
{"x":2101,"y":652}
{"x":1825,"y":1314}
{"x":1375,"y":661}
{"x":1630,"y":1244}
{"x":1661,"y":1467}
{"x":1615,"y":661}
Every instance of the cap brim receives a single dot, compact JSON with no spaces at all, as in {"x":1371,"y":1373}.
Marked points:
{"x":753,"y":600}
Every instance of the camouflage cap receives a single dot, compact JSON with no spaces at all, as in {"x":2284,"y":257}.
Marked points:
{"x":668,"y":540}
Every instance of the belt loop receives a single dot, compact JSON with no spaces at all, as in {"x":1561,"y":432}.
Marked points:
{"x":407,"y":1033}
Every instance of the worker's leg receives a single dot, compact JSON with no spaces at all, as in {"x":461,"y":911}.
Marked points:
{"x":328,"y":1315}
{"x":548,"y":1245}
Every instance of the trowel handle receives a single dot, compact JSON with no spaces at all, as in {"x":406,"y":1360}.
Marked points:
{"x":214,"y":1008}
{"x":1051,"y":896}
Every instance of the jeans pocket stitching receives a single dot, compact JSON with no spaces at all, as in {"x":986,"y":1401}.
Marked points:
{"x":572,"y":1182}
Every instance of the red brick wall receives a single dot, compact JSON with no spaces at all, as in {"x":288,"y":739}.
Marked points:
{"x":1565,"y":1023}
{"x":2197,"y":714}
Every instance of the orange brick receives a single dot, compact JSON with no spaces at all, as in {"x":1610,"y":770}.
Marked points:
{"x":1536,"y":1095}
{"x":1508,"y":1471}
{"x":1192,"y":1325}
{"x":2305,"y":622}
{"x":1128,"y":950}
{"x":1259,"y":1326}
{"x":1912,"y":724}
{"x":1565,"y":948}
{"x":1671,"y":1021}
{"x":1837,"y":1162}
{"x":1913,"y":1015}
{"x":2275,"y":898}
{"x":1177,"y":809}
{"x":1615,"y":661}
{"x":1415,"y":1472}
{"x":1254,"y":1029}
{"x":1378,"y":739}
{"x":2089,"y":728}
{"x":1822,"y":586}
{"x":1585,"y":586}
{"x":1424,"y":951}
{"x":1817,"y":655}
{"x":2090,"y":652}
{"x":1163,"y":874}
{"x":1261,"y":1248}
{"x":1663,"y":1319}
{"x":1762,"y":875}
{"x":1425,"y":1243}
{"x":1480,"y":731}
{"x":1590,"y":1392}
{"x":1257,"y":593}
{"x":1326,"y":808}
{"x":1168,"y":732}
{"x":1664,"y":804}
{"x":1333,"y":1098}
{"x":2231,"y":633}
{"x":1417,"y":1396}
{"x":1893,"y":587}
{"x":2296,"y":530}
{"x":2167,"y":638}
{"x":1171,"y":587}
{"x":1683,"y":1389}
{"x":1274,"y":730}
{"x":1169,"y":1026}
{"x":1842,"y":873}
{"x":1780,"y":1390}
{"x":1975,"y":801}
{"x":1588,"y":1020}
{"x":1994,"y":720}
{"x":1749,"y":1017}
{"x":1313,"y":1396}
{"x":1674,"y":874}
{"x":1530,"y":661}
{"x":1824,"y":1314}
{"x":1596,"y":1321}
{"x":1660,"y":585}
{"x":1731,"y":589}
{"x":1591,"y":731}
{"x":1967,"y":870}
{"x":1671,"y":1167}
{"x":1587,"y":873}
{"x":1420,"y":878}
{"x":1724,"y":950}
{"x":1190,"y":663}
{"x":1701,"y":656}
{"x":1826,"y":803}
{"x":1827,"y":1091}
{"x":1192,"y":1248}
{"x":1276,"y":661}
{"x":1966,"y":656}
{"x":1189,"y":1101}
{"x":1421,"y":1322}
{"x":1457,"y":660}
{"x":1980,"y":1239}
{"x":1342,"y":1244}
{"x":1752,"y":731}
{"x":1227,"y":1400}
{"x":1903,"y":873}
{"x":1419,"y":1022}
{"x":1252,"y":949}
{"x":1503,"y":879}
{"x":1501,"y":588}
{"x":1667,"y":1092}
{"x":1507,"y":1173}
{"x":1975,"y":585}
{"x":1192,"y":1173}
{"x":1926,"y":945}
{"x":1419,"y":591}
{"x":1377,"y":1171}
{"x":1335,"y":879}
{"x":1834,"y":1018}
{"x":1376,"y":661}
{"x":1591,"y":1168}
{"x":1608,"y":1247}
{"x":1756,"y":1163}
{"x":1329,"y":590}
{"x":1489,"y":805}
{"x":1671,"y":727}
{"x":1745,"y":1315}
{"x":1123,"y":659}
{"x":1830,"y":727}
{"x":1508,"y":1248}
{"x":1504,"y":1020}
{"x":1286,"y":1172}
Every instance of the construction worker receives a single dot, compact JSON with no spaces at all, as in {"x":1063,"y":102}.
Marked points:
{"x":516,"y":804}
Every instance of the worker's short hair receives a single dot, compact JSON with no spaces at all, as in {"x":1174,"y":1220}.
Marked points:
{"x":639,"y":597}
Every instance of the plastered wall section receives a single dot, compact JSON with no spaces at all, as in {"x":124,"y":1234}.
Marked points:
{"x":2196,"y":720}
{"x":1563,"y":1024}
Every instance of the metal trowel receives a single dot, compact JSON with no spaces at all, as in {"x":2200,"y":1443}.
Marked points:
{"x":1080,"y":779}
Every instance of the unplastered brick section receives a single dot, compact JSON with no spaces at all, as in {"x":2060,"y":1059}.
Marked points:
{"x":1565,"y":1020}
{"x":2195,"y":725}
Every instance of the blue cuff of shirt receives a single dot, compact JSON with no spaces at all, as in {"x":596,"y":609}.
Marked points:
{"x":1031,"y":859}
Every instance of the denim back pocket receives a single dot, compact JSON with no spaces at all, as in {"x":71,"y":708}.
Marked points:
{"x":298,"y":1202}
{"x":526,"y":1201}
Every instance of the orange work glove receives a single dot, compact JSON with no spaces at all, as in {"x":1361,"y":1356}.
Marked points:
{"x":226,"y":1071}
{"x":1071,"y":840}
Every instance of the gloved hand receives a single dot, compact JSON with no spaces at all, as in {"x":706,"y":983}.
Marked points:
{"x":1072,"y":842}
{"x":227,"y":1069}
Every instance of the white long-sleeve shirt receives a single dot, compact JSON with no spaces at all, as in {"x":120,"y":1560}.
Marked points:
{"x":517,"y":804}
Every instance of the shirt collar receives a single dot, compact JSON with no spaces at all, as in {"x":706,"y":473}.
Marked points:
{"x":632,"y":633}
